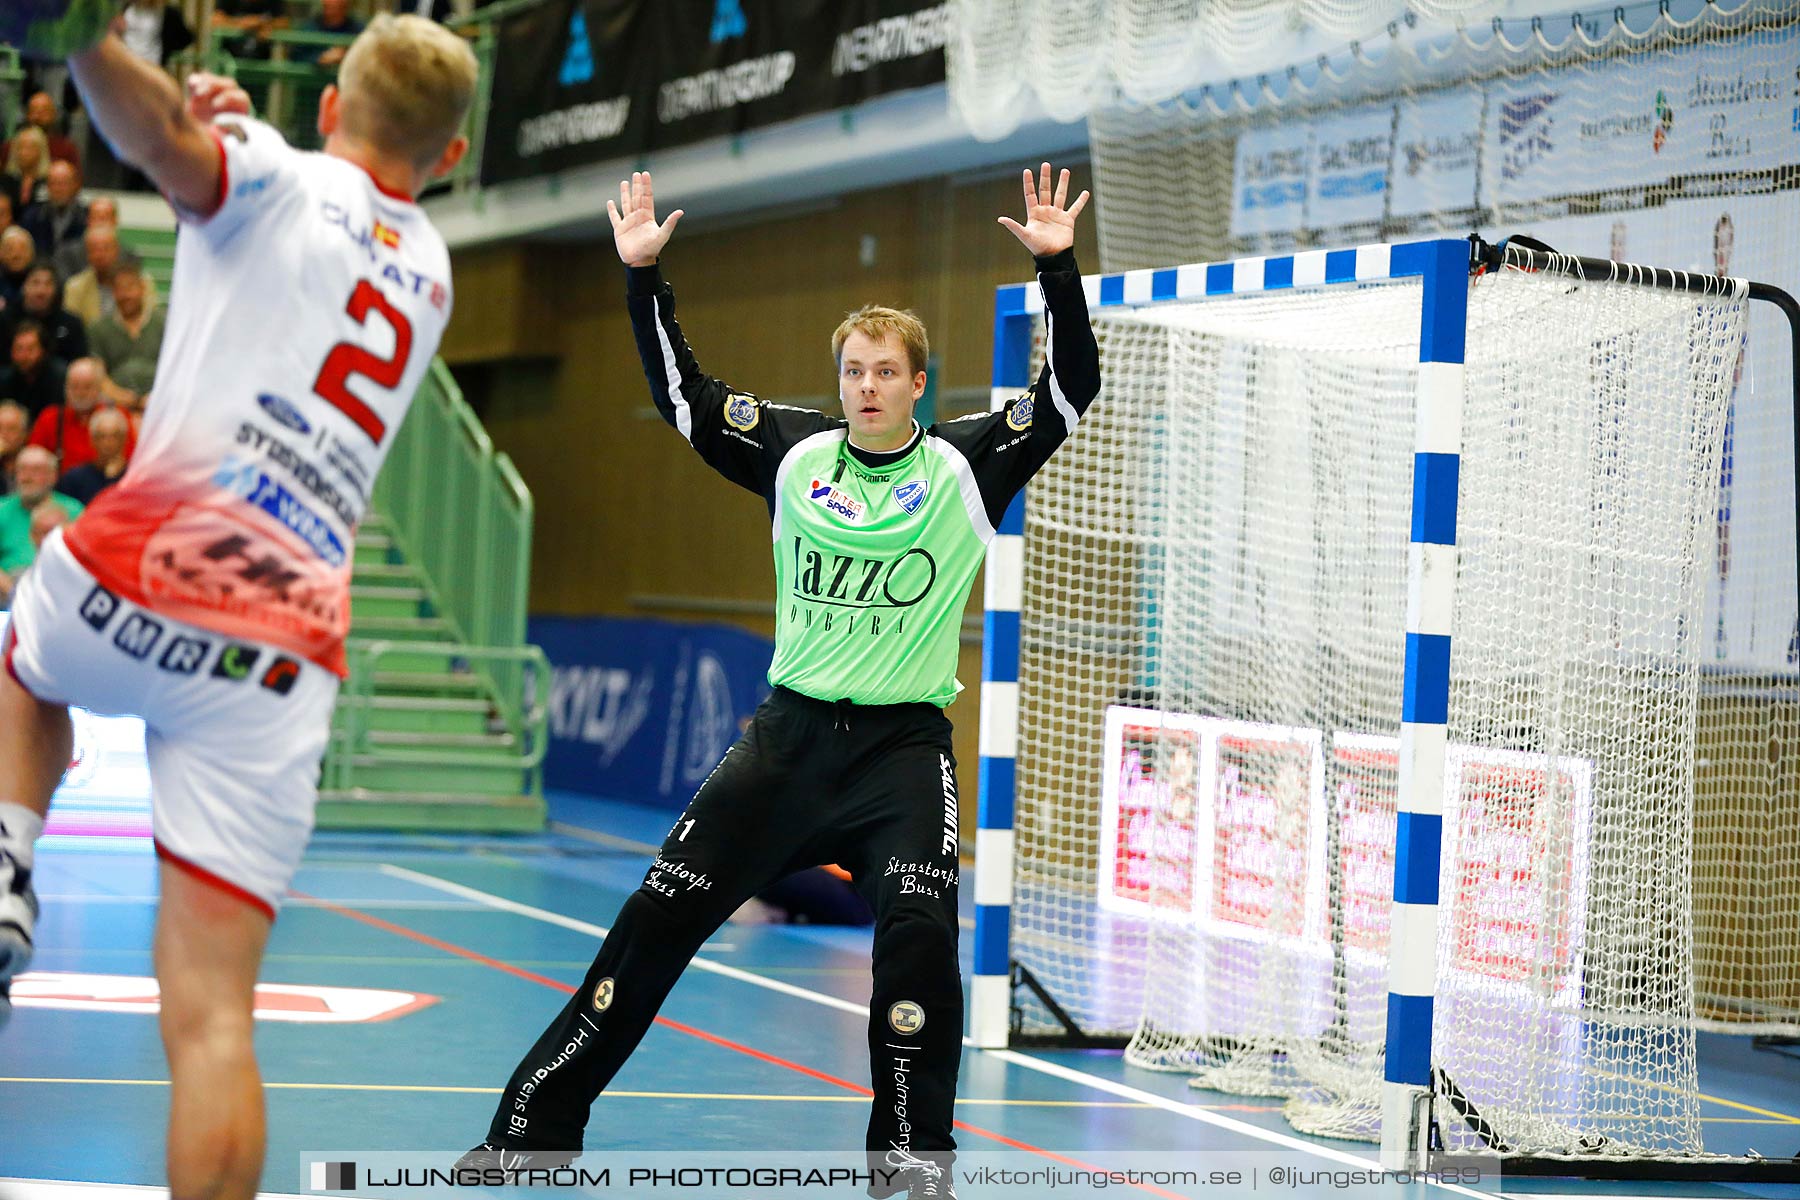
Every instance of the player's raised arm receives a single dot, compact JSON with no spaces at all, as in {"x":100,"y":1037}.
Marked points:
{"x":636,"y":234}
{"x":1071,"y":376}
{"x":142,"y":115}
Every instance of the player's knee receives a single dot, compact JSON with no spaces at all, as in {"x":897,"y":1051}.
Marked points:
{"x":194,"y":1020}
{"x":648,"y":913}
{"x":914,"y":942}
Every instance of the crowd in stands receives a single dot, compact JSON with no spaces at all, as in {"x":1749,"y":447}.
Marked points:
{"x":82,"y":328}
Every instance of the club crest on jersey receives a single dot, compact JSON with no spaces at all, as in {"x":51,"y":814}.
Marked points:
{"x":741,"y":412}
{"x":842,"y":503}
{"x":1019,"y":415}
{"x":910,"y":495}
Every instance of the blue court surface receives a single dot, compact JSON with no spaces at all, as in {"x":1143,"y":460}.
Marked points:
{"x":408,"y":973}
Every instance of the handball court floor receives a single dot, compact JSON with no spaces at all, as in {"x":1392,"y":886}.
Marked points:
{"x":761,"y":1047}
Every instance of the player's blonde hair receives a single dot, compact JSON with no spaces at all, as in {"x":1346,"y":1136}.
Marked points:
{"x":405,"y":86}
{"x":877,"y":321}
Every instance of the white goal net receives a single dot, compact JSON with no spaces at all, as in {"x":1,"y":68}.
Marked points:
{"x":1211,"y":674}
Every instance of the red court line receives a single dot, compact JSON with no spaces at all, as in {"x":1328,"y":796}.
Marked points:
{"x":691,"y":1031}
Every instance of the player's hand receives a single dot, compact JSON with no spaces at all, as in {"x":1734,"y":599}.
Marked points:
{"x":209,"y":96}
{"x":636,"y":235}
{"x":1049,"y":228}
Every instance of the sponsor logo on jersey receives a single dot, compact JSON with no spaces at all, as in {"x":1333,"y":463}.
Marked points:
{"x":250,"y":483}
{"x":284,"y":412}
{"x":99,"y":608}
{"x":741,"y":412}
{"x":138,"y":635}
{"x":910,"y":495}
{"x":906,"y":1018}
{"x":1019,"y":414}
{"x":842,"y":503}
{"x":184,"y":655}
{"x":368,"y":238}
{"x":280,"y":676}
{"x":236,"y":661}
{"x":603,"y":994}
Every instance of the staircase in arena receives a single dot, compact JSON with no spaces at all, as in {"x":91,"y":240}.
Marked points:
{"x":442,"y":722}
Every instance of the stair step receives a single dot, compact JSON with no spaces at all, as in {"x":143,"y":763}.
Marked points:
{"x":420,"y":714}
{"x":385,"y":574}
{"x":460,"y":811}
{"x":403,"y":629}
{"x":415,"y":740}
{"x":504,"y":778}
{"x":425,"y":682}
{"x":374,"y":602}
{"x":372,"y":550}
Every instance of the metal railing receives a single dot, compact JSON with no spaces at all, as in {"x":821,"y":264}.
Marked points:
{"x":462,"y":515}
{"x":354,"y":748}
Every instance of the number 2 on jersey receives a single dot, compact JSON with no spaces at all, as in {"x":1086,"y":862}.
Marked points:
{"x":347,"y":359}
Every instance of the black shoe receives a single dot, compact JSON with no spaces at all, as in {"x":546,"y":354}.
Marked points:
{"x":489,"y":1157}
{"x":916,"y":1177}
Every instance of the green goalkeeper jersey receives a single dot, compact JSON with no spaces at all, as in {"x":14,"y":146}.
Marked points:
{"x":874,"y":553}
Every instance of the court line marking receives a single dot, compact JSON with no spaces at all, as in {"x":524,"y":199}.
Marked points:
{"x":447,"y":1089}
{"x":600,"y":931}
{"x":1012,"y":1057}
{"x":715,"y":1039}
{"x":615,"y":842}
{"x":64,"y":1189}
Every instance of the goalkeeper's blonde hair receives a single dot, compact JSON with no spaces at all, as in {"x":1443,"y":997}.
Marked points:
{"x":405,"y":87}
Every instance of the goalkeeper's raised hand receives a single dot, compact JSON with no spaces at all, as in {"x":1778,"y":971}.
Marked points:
{"x":636,"y":235}
{"x":1049,"y":228}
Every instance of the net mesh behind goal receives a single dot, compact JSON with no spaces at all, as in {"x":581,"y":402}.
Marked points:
{"x":1212,"y":662}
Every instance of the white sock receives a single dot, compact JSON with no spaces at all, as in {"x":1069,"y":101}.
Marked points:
{"x":19,"y":831}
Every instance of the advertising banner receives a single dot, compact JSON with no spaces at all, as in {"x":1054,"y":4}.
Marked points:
{"x":643,"y":710}
{"x":584,"y":81}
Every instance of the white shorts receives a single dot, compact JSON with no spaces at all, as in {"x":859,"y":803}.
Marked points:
{"x":234,"y":730}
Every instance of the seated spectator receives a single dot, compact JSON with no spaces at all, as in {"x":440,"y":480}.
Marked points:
{"x":15,"y":423}
{"x":156,"y":31}
{"x":17,"y":253}
{"x":35,"y":476}
{"x":241,"y":27}
{"x":88,"y":294}
{"x":32,"y":377}
{"x":62,"y":428}
{"x":333,"y":17}
{"x":7,"y":211}
{"x":42,"y":301}
{"x":28,"y":162}
{"x":61,"y":219}
{"x":41,"y":114}
{"x":129,"y":340}
{"x":103,"y":210}
{"x":110,"y":432}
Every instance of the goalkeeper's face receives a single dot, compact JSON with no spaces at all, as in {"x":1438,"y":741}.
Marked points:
{"x":878,"y":389}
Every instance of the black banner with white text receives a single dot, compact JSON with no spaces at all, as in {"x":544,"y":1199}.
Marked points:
{"x":584,"y":81}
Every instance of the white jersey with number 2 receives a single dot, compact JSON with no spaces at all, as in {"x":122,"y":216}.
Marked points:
{"x":303,"y":315}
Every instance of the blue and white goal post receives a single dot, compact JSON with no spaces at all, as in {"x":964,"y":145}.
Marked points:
{"x":1444,"y":269}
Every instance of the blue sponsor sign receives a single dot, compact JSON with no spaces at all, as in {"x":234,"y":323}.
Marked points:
{"x":252,"y":484}
{"x":642,"y":710}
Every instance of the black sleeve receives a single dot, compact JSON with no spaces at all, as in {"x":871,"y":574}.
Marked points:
{"x":739,"y":436}
{"x":1006,"y":448}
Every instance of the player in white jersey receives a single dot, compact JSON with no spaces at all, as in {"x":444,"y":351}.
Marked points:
{"x":208,"y":591}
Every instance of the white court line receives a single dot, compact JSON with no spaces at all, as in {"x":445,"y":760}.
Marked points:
{"x":1011,"y":1057}
{"x":608,"y":839}
{"x":59,"y":1189}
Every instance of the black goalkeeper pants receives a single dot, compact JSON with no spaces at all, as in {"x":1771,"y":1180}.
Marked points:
{"x":810,"y":782}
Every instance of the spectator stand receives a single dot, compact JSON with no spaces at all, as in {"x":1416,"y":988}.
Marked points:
{"x":12,"y":83}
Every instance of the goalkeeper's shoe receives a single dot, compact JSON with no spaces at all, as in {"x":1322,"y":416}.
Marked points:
{"x":916,"y":1177}
{"x":489,"y":1157}
{"x":54,"y":29}
{"x":18,"y":916}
